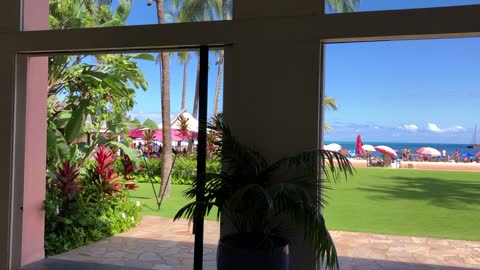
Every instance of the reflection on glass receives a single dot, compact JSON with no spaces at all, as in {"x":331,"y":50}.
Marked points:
{"x":341,"y":6}
{"x":71,"y":14}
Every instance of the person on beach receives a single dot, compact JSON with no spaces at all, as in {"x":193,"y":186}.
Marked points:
{"x":444,"y":153}
{"x":456,"y":156}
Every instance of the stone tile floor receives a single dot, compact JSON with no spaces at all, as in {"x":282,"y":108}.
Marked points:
{"x":159,"y":243}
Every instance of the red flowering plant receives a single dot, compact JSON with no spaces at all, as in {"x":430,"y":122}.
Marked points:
{"x":127,"y":171}
{"x":65,"y":181}
{"x":103,"y":173}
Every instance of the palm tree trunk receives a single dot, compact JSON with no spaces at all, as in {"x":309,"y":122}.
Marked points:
{"x":224,"y":9}
{"x":219,"y":81}
{"x":195,"y":106}
{"x":184,"y":90}
{"x":166,"y":125}
{"x":195,"y":98}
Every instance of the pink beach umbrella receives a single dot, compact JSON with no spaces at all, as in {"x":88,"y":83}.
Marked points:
{"x":386,"y":150}
{"x":428,"y":151}
{"x":478,"y":154}
{"x":358,"y":145}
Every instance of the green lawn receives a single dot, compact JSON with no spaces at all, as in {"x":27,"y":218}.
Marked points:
{"x":407,"y":202}
{"x":169,"y":207}
{"x":403,"y":202}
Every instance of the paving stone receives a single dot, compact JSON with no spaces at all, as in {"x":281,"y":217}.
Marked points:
{"x":158,"y":243}
{"x":162,"y":267}
{"x":148,"y":257}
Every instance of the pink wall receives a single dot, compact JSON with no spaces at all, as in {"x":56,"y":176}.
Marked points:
{"x":35,"y":163}
{"x":36,"y":18}
{"x":35,"y":13}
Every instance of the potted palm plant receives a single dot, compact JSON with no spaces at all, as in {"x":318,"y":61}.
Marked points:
{"x":263,"y":201}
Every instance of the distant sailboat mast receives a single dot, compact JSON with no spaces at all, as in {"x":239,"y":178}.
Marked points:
{"x":474,"y":145}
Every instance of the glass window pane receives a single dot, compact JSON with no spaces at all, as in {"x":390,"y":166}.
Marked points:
{"x":71,"y":14}
{"x":341,"y":6}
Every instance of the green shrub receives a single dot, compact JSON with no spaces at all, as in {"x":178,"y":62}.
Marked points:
{"x":86,"y":205}
{"x":155,"y":166}
{"x":183,"y":173}
{"x":86,"y":218}
{"x":184,"y":170}
{"x":144,"y":178}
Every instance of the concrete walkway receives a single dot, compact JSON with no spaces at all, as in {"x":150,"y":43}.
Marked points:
{"x":159,"y":243}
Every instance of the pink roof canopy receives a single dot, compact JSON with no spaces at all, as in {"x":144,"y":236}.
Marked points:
{"x":176,"y":134}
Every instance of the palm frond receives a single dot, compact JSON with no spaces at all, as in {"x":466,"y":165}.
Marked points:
{"x":317,"y":234}
{"x":186,"y":211}
{"x":330,"y":163}
{"x":330,"y":103}
{"x":256,"y":196}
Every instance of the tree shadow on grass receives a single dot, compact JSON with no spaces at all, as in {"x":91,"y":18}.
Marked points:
{"x":438,"y":192}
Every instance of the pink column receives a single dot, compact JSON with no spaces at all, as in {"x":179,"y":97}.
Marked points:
{"x":36,"y":18}
{"x":35,"y":161}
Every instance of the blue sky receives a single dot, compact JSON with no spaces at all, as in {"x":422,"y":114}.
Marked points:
{"x":404,"y":91}
{"x":372,"y":5}
{"x":148,"y":103}
{"x":408,"y":91}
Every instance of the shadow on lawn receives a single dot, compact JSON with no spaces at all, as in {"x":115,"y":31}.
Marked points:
{"x":441,"y":193}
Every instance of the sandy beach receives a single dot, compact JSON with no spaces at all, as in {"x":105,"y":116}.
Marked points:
{"x":439,"y":166}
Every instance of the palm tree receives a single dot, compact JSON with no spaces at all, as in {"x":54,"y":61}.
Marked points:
{"x":184,"y":58}
{"x":197,"y":11}
{"x":225,"y":15}
{"x":219,"y":81}
{"x":330,"y":104}
{"x":165,"y":91}
{"x":256,"y":195}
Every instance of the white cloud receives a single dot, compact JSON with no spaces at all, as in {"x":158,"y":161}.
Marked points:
{"x":436,"y":129}
{"x":410,"y":127}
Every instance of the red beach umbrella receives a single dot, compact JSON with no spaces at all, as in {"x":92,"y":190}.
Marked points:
{"x":358,"y":145}
{"x":428,"y":151}
{"x":386,"y":150}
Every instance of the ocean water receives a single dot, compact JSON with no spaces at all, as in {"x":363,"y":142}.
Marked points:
{"x":398,"y":146}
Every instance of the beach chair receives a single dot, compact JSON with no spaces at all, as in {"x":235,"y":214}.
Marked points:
{"x":344,"y":152}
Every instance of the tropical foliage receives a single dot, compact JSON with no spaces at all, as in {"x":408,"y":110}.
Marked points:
{"x":329,"y":103}
{"x":67,"y":14}
{"x":253,"y":193}
{"x":184,"y":169}
{"x":88,"y":96}
{"x":343,"y":5}
{"x":84,"y":207}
